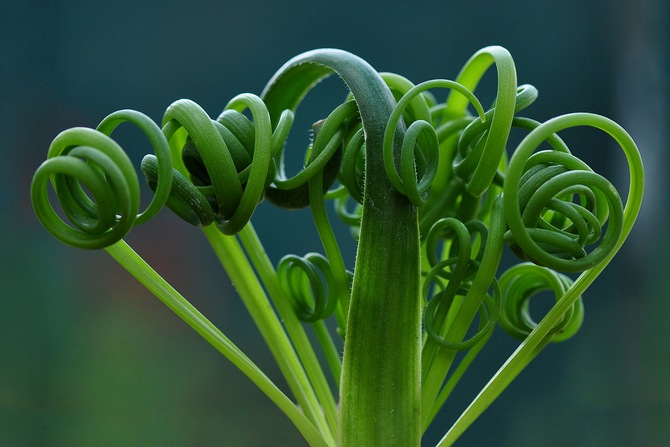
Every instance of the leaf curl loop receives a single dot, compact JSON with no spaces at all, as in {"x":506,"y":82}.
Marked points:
{"x":525,"y":281}
{"x":309,"y":282}
{"x":485,"y":158}
{"x":229,"y":160}
{"x":451,"y":276}
{"x":329,"y":137}
{"x":96,"y":184}
{"x":556,"y":206}
{"x":405,"y":179}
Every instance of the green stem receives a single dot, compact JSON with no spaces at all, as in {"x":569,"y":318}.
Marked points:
{"x":255,"y":299}
{"x":454,"y":379}
{"x":329,"y":349}
{"x":380,"y":386}
{"x":331,"y":248}
{"x":148,"y":277}
{"x":294,"y":328}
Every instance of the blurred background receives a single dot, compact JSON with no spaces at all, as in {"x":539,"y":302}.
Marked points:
{"x":89,"y":358}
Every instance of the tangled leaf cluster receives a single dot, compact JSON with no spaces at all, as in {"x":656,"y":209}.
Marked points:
{"x":472,"y":192}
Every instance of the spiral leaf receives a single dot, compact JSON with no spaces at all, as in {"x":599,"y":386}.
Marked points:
{"x":407,"y":182}
{"x":81,"y":158}
{"x":162,"y":150}
{"x":328,"y":139}
{"x":234,"y":191}
{"x":452,"y":278}
{"x":556,"y":206}
{"x":473,"y":143}
{"x":309,"y":282}
{"x":519,"y":285}
{"x":485,"y":157}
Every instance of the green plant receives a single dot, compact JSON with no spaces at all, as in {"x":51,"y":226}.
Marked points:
{"x":429,"y":192}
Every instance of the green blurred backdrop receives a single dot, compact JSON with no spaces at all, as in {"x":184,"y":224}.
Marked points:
{"x":89,"y":358}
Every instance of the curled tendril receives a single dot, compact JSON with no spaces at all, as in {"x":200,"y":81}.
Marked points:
{"x":488,"y":315}
{"x":233,"y":163}
{"x":229,"y":160}
{"x":483,"y":158}
{"x":556,"y":206}
{"x":309,"y":282}
{"x":329,"y":136}
{"x":452,"y":277}
{"x":408,"y":181}
{"x":473,"y":144}
{"x":96,"y":184}
{"x":222,"y":168}
{"x":522,"y":282}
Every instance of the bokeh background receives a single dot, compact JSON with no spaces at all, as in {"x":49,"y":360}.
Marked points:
{"x":89,"y":358}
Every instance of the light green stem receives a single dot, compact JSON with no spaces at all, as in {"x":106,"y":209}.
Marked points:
{"x":234,"y":261}
{"x":293,"y":325}
{"x":148,"y":277}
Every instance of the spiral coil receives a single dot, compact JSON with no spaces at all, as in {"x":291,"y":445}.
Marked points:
{"x":556,"y":206}
{"x":451,"y":165}
{"x":205,"y":170}
{"x":451,"y":276}
{"x":519,"y":285}
{"x":310,"y":284}
{"x":83,"y":157}
{"x":407,"y":180}
{"x":222,"y":168}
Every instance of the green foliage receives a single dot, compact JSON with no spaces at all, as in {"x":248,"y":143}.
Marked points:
{"x":436,"y":194}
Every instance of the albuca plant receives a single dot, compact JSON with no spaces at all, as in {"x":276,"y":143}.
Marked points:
{"x":430,"y":191}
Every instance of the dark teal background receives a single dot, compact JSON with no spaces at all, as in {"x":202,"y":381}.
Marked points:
{"x":89,"y":358}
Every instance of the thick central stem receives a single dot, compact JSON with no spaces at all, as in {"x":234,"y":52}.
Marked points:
{"x":380,"y":374}
{"x":380,"y":383}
